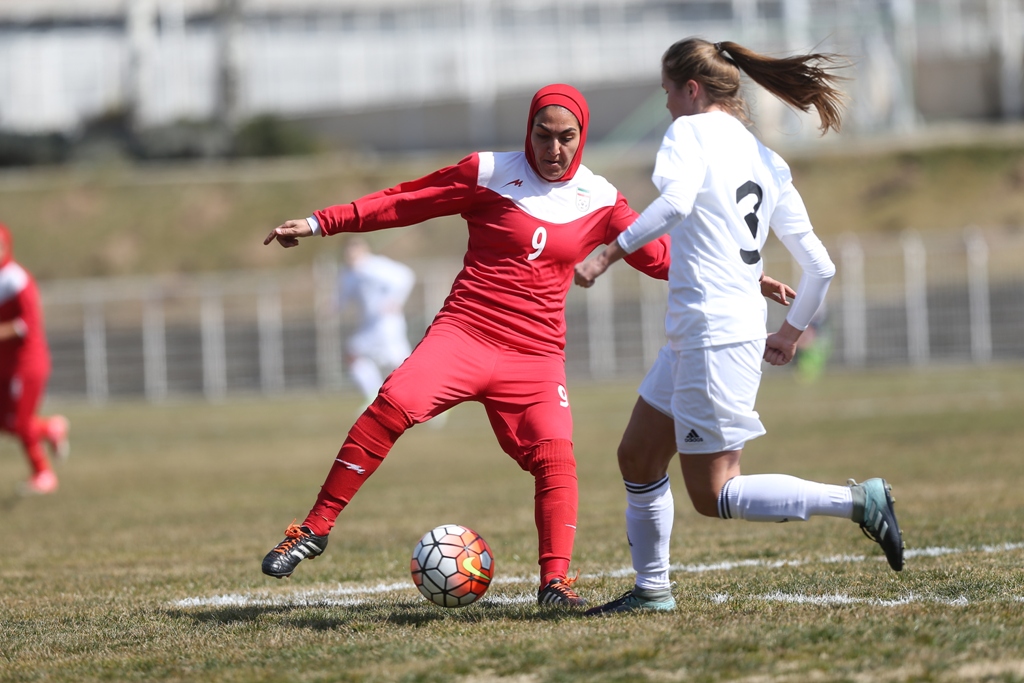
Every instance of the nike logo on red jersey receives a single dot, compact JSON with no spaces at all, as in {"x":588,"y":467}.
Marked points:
{"x":517,"y":182}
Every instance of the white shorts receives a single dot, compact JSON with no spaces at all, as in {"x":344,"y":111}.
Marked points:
{"x":709,"y":393}
{"x":385,"y":342}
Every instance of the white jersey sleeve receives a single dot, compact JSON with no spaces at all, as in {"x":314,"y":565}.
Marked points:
{"x":679,"y":171}
{"x":818,"y":269}
{"x":790,"y":222}
{"x":790,"y":215}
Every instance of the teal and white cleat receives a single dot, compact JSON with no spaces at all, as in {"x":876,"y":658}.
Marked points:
{"x":873,"y":510}
{"x":638,"y":600}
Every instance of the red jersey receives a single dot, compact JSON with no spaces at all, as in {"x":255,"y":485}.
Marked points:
{"x":19,"y":298}
{"x":526,"y":236}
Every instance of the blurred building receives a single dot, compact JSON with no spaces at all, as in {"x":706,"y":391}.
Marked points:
{"x":402,"y":74}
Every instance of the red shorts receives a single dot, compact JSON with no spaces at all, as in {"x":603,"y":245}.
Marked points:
{"x":524,"y":394}
{"x":19,"y":398}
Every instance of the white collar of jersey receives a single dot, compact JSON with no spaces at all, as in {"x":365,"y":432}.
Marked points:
{"x":13,"y":279}
{"x":509,"y":175}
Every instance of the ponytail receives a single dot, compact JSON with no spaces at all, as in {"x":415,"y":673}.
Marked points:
{"x":802,"y":81}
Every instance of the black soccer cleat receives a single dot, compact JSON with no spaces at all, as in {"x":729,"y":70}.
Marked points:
{"x":873,"y":510}
{"x":298,"y":544}
{"x":559,"y":593}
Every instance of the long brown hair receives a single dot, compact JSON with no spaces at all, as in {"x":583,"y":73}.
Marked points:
{"x":802,"y":81}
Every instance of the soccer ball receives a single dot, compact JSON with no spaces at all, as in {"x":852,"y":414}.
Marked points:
{"x":452,"y":565}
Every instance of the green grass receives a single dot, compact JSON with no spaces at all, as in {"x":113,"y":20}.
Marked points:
{"x":145,"y":565}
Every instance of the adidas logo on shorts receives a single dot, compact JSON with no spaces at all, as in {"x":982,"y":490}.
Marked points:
{"x":693,"y":437}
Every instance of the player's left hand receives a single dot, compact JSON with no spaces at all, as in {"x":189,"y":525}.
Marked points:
{"x":779,"y":292}
{"x":288,"y":233}
{"x":779,"y":348}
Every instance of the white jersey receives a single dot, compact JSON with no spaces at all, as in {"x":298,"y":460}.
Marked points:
{"x":720,"y":191}
{"x":379,"y":286}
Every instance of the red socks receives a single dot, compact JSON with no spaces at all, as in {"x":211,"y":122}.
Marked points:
{"x":32,"y":441}
{"x":556,"y":500}
{"x":556,"y":493}
{"x":368,"y":442}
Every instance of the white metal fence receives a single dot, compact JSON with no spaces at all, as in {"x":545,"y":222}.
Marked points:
{"x":900,"y":300}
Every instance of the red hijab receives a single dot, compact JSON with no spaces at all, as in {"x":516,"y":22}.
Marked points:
{"x":5,"y":237}
{"x":562,"y":96}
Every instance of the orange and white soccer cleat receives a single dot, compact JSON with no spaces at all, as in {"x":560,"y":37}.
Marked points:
{"x":559,"y":592}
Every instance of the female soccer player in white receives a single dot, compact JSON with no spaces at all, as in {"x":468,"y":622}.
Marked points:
{"x":380,"y":287}
{"x":720,"y":191}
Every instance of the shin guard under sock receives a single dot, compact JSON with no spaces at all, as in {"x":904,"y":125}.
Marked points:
{"x":781,"y":498}
{"x":650,"y":511}
{"x":556,"y":500}
{"x":368,"y":442}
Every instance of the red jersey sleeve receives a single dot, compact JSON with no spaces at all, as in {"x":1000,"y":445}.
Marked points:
{"x":445,"y":192}
{"x":653,"y":258}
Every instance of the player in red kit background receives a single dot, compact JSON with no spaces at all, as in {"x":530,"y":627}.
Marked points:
{"x":24,"y":370}
{"x":499,"y":338}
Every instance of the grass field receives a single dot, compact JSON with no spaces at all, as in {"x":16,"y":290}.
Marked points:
{"x":145,"y":565}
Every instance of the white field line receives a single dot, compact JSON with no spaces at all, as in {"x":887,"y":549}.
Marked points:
{"x":840,"y":599}
{"x":347,"y":596}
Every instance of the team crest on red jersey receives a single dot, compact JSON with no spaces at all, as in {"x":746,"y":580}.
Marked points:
{"x":582,"y":199}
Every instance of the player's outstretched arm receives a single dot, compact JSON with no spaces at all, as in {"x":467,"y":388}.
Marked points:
{"x":288,"y":233}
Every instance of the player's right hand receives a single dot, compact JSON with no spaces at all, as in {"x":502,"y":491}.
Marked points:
{"x":288,"y":233}
{"x":587,"y":272}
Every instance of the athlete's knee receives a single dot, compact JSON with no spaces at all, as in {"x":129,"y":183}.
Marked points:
{"x":703,"y":493}
{"x":705,"y":505}
{"x":551,"y":457}
{"x":633,"y":461}
{"x":380,"y":425}
{"x":643,"y":462}
{"x":22,"y":429}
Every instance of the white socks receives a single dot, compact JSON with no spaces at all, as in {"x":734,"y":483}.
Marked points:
{"x":781,"y":498}
{"x":649,"y":514}
{"x":756,"y":498}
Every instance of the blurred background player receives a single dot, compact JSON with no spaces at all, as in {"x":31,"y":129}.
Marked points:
{"x":379,"y":286}
{"x":24,"y":371}
{"x":814,"y":347}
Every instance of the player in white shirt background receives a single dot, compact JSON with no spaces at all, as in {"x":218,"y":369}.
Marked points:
{"x":379,"y":286}
{"x":720,"y":192}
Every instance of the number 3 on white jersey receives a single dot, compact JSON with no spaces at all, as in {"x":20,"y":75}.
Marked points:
{"x":540,"y":238}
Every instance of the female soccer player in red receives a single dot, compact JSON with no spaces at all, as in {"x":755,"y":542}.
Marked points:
{"x":499,"y":338}
{"x":24,"y":370}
